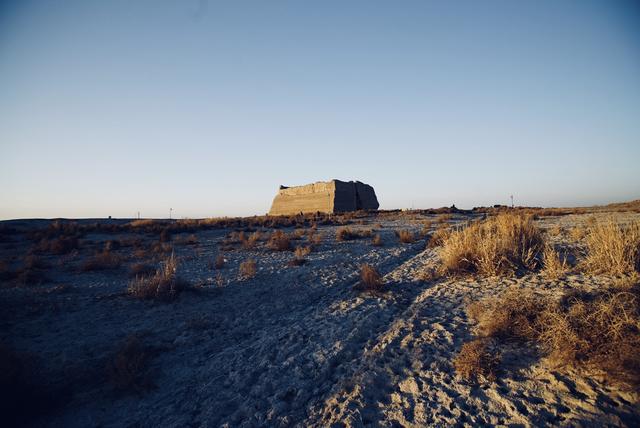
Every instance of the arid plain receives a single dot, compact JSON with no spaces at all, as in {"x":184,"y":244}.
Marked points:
{"x":525,"y":317}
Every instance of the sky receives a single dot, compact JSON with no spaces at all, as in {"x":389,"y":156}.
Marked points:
{"x":120,"y":107}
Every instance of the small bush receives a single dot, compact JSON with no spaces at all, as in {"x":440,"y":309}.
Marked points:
{"x":405,"y":236}
{"x":498,"y":245}
{"x":370,"y":279}
{"x":345,"y":234}
{"x":474,"y":362}
{"x":377,"y":241}
{"x":251,"y":241}
{"x":302,"y":252}
{"x":314,"y":238}
{"x":164,"y":285}
{"x":279,"y":241}
{"x":128,"y":369}
{"x":248,"y":269}
{"x":612,"y":248}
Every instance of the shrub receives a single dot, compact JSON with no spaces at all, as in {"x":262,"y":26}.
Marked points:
{"x":102,"y":261}
{"x":475,"y":362}
{"x":314,"y":238}
{"x":497,"y":245}
{"x":164,"y":285}
{"x":612,"y":248}
{"x":405,"y":236}
{"x":248,"y":269}
{"x":370,"y":279}
{"x":345,"y":234}
{"x":279,"y":241}
{"x":302,"y":252}
{"x":128,"y":368}
{"x":553,"y":266}
{"x":251,"y":241}
{"x":377,"y":241}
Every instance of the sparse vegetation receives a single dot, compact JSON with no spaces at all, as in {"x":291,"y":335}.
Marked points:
{"x":498,"y":245}
{"x":439,"y":236}
{"x":377,"y":240}
{"x":102,"y":261}
{"x":248,"y":269}
{"x":279,"y":241}
{"x":554,"y":267}
{"x":164,"y":285}
{"x":347,"y":234}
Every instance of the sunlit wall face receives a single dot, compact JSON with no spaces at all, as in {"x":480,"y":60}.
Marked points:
{"x":110,"y":108}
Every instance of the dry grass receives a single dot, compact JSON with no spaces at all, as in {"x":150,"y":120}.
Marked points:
{"x":164,"y":285}
{"x":248,"y":269}
{"x":314,"y":238}
{"x":475,"y":362}
{"x":596,"y":331}
{"x":498,"y":245}
{"x":348,"y":234}
{"x":102,"y":261}
{"x":377,"y":240}
{"x":612,"y":248}
{"x":370,"y":279}
{"x":302,"y":252}
{"x":279,"y":241}
{"x":439,"y":236}
{"x":405,"y":236}
{"x":252,"y":241}
{"x":577,"y":233}
{"x":141,"y":269}
{"x":553,"y":266}
{"x":128,"y":368}
{"x":59,"y":245}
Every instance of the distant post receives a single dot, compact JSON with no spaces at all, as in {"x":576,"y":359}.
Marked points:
{"x":511,"y":201}
{"x":170,"y":209}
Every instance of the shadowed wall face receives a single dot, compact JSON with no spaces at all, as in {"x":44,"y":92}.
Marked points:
{"x":325,"y":197}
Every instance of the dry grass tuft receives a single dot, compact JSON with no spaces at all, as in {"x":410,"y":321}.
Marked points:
{"x":597,"y":331}
{"x":475,"y":362}
{"x":498,"y":245}
{"x":405,"y":236}
{"x":439,"y":236}
{"x":128,"y":368}
{"x":164,"y":285}
{"x":248,"y":269}
{"x":377,"y":241}
{"x":279,"y":241}
{"x":370,"y":279}
{"x":553,"y":266}
{"x":612,"y":248}
{"x":302,"y":252}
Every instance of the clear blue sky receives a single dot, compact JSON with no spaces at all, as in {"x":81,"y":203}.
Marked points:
{"x":114,"y":107}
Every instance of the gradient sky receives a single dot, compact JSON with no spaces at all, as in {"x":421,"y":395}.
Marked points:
{"x":115,"y":107}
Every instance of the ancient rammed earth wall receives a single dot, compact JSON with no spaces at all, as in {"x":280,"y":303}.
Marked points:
{"x":326,"y":197}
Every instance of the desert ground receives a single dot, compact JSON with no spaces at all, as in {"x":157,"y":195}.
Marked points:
{"x":296,"y":339}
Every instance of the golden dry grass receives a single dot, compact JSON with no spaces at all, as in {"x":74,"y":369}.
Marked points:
{"x":370,"y":279}
{"x":612,"y":248}
{"x":279,"y":241}
{"x":164,"y":285}
{"x":247,"y":269}
{"x":405,"y":236}
{"x":594,"y":331}
{"x":475,"y":362}
{"x":553,"y":265}
{"x":498,"y":245}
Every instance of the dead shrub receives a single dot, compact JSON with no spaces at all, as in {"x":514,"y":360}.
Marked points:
{"x":370,"y":279}
{"x":612,"y":248}
{"x":248,"y":269}
{"x":302,"y":252}
{"x":553,"y":267}
{"x":102,"y":261}
{"x":475,"y":362}
{"x":164,"y":285}
{"x":314,"y":238}
{"x":377,"y":241}
{"x":345,"y":234}
{"x":128,"y":368}
{"x":405,"y":236}
{"x":251,"y":241}
{"x":279,"y":241}
{"x":498,"y":245}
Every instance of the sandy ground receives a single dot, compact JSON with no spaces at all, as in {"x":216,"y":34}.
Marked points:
{"x":294,"y":346}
